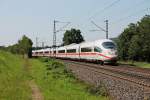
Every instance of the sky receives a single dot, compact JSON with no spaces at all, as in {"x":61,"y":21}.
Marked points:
{"x":34,"y":18}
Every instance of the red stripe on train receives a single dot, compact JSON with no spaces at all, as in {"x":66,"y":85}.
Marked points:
{"x":81,"y":54}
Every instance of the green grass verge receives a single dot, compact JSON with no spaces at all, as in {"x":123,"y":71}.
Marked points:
{"x":13,"y":84}
{"x":55,"y":85}
{"x":136,"y":64}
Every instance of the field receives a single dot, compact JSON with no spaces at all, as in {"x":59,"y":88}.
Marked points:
{"x":56,"y":85}
{"x":13,"y":78}
{"x":50,"y":77}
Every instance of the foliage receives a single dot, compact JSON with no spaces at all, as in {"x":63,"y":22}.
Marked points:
{"x":134,"y":42}
{"x":24,"y":46}
{"x":98,"y":90}
{"x":2,"y":47}
{"x":72,"y":36}
{"x":58,"y":69}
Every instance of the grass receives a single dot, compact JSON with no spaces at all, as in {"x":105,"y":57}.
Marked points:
{"x":54,"y":81}
{"x":58,"y":84}
{"x":13,"y":84}
{"x":136,"y":64}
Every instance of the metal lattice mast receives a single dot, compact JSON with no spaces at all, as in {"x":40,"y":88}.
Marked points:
{"x":100,"y":28}
{"x":106,"y":29}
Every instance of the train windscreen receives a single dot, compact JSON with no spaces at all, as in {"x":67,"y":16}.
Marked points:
{"x":109,"y":45}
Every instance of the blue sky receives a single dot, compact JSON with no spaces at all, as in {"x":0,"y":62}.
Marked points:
{"x":34,"y":18}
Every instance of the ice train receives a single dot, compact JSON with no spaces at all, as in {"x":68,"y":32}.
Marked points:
{"x":103,"y":51}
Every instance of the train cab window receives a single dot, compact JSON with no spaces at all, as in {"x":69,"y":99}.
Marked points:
{"x":61,"y":51}
{"x":87,"y":49}
{"x":109,"y":45}
{"x":97,"y":49}
{"x":71,"y":50}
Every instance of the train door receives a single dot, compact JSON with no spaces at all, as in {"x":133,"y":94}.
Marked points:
{"x":79,"y":52}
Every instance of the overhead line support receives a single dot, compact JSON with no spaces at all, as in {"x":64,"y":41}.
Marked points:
{"x":106,"y":29}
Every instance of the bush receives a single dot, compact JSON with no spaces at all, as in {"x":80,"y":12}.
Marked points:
{"x":43,"y":59}
{"x":97,"y":90}
{"x":69,"y":73}
{"x":58,"y":69}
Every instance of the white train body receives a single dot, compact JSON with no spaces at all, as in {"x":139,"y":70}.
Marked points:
{"x":99,"y":50}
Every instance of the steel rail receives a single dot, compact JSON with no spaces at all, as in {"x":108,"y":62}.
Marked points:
{"x":131,"y":77}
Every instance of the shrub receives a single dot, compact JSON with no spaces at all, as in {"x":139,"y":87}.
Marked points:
{"x":97,"y":90}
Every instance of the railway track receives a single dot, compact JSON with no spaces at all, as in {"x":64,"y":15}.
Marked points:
{"x":137,"y":76}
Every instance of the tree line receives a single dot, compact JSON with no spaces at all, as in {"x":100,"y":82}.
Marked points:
{"x":23,"y":47}
{"x":134,"y":42}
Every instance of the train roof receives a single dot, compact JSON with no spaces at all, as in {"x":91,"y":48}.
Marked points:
{"x":74,"y":45}
{"x":46,"y":49}
{"x":100,"y":41}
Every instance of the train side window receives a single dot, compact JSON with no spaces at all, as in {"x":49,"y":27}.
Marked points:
{"x":61,"y":51}
{"x":46,"y":52}
{"x":41,"y":52}
{"x":71,"y":50}
{"x":54,"y":51}
{"x":97,"y":49}
{"x":87,"y":49}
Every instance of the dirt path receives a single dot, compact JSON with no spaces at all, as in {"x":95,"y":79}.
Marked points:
{"x":36,"y":94}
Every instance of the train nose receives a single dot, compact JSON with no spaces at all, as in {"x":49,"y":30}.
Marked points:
{"x":112,"y":53}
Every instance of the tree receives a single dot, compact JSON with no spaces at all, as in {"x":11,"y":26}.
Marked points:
{"x":144,"y":32}
{"x":72,"y":36}
{"x":134,"y":51}
{"x":25,"y":45}
{"x":124,"y":41}
{"x":134,"y":41}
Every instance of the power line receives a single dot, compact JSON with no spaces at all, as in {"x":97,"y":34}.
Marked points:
{"x":107,"y":7}
{"x":98,"y":26}
{"x":61,"y":29}
{"x":111,"y":5}
{"x":122,"y":19}
{"x":101,"y":29}
{"x":136,"y":5}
